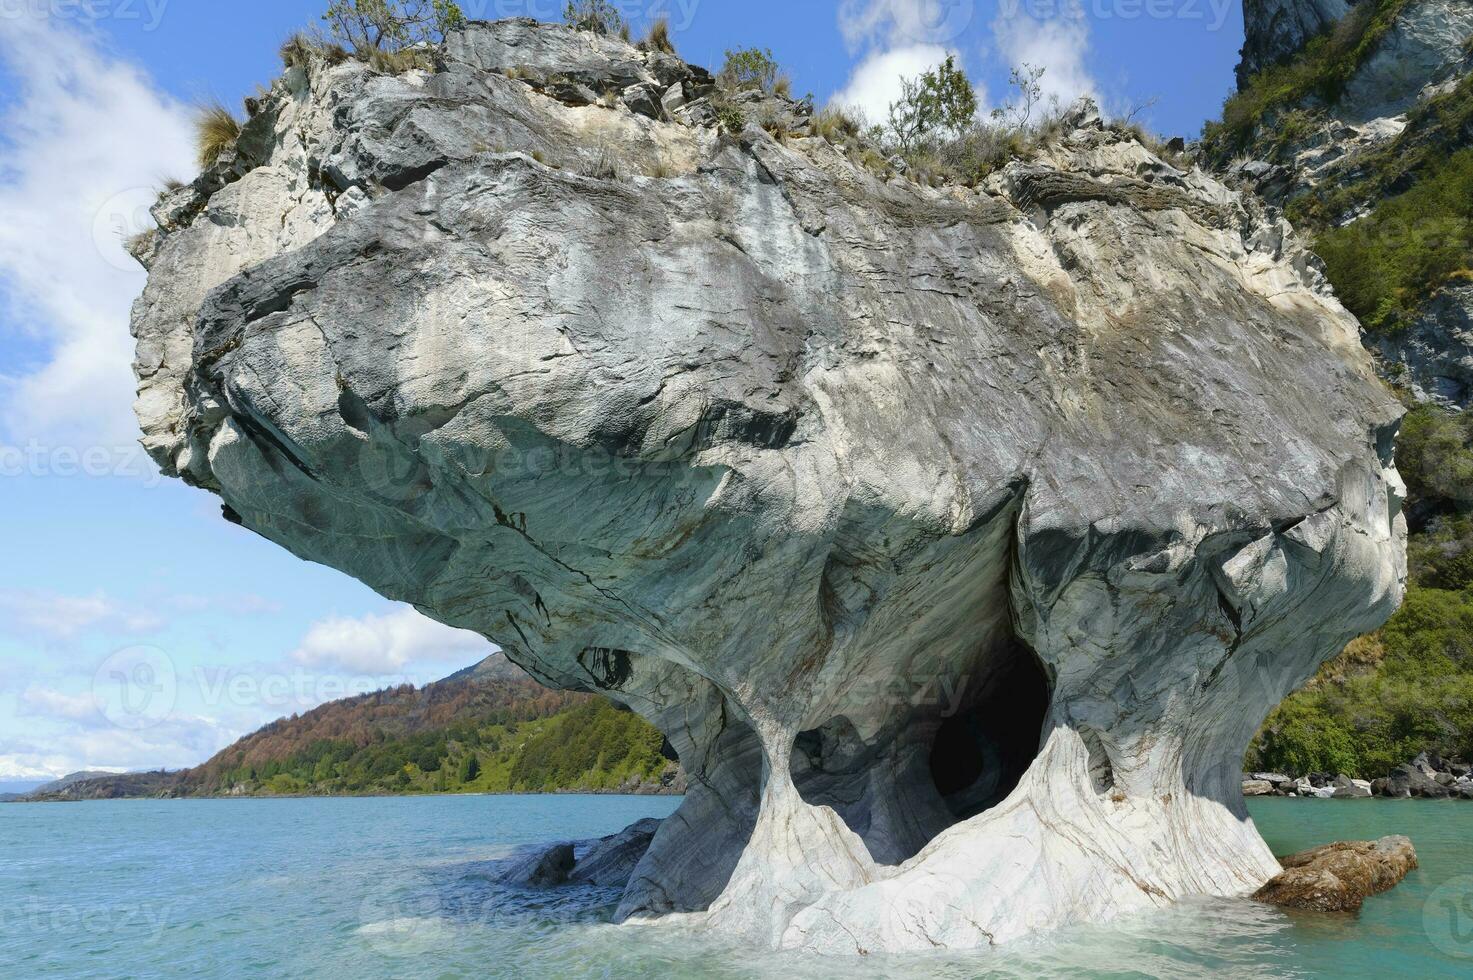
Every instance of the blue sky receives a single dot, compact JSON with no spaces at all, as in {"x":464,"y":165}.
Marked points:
{"x":139,"y":629}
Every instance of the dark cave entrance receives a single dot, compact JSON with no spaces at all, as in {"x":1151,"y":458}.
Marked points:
{"x":981,"y":752}
{"x":944,"y":759}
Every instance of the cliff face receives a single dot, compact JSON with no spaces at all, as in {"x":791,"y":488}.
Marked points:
{"x":1276,"y":30}
{"x":1382,"y":109}
{"x":958,"y":539}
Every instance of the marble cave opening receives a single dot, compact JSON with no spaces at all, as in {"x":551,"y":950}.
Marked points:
{"x":959,"y":750}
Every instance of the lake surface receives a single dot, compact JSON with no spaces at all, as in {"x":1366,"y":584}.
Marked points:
{"x":397,"y":887}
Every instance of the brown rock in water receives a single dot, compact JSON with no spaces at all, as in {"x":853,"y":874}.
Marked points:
{"x":1339,"y":877}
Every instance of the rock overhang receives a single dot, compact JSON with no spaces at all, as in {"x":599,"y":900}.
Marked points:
{"x":765,"y":447}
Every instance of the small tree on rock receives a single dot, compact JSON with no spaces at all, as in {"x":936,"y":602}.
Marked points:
{"x":749,"y":68}
{"x":1026,"y":79}
{"x":598,"y":16}
{"x":391,"y":25}
{"x":940,"y":100}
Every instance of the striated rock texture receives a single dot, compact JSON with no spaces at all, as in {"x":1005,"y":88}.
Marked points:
{"x":958,"y":539}
{"x":1340,"y":877}
{"x":1276,"y":30}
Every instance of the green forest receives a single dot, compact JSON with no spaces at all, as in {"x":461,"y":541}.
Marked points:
{"x":593,"y":747}
{"x":461,"y":735}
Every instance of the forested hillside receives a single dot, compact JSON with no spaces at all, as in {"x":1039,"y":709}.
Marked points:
{"x":491,"y":730}
{"x":487,"y":729}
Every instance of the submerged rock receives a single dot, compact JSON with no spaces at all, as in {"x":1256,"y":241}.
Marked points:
{"x":957,"y":538}
{"x":1339,"y":877}
{"x":611,"y":861}
{"x":541,"y":868}
{"x":607,"y":862}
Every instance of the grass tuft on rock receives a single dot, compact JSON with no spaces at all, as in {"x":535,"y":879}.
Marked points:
{"x":597,"y":17}
{"x":658,"y":38}
{"x":215,"y":130}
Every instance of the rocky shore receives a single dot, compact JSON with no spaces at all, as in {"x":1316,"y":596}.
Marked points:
{"x":1428,"y":775}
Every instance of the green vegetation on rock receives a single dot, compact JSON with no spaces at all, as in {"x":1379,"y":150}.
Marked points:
{"x":1385,"y":265}
{"x":391,"y":25}
{"x":1320,"y":72}
{"x":1409,"y":686}
{"x":1394,"y":221}
{"x":596,"y":16}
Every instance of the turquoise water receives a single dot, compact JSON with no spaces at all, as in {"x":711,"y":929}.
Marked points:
{"x":398,"y":887}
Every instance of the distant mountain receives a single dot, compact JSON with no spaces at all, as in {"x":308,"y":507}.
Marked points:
{"x":76,"y":777}
{"x":105,"y":786}
{"x":488,"y":728}
{"x":58,"y":789}
{"x":14,"y":787}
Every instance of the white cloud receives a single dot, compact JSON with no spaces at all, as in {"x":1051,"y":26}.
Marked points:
{"x":175,"y":743}
{"x":82,"y":146}
{"x":901,"y":39}
{"x":903,"y":23}
{"x":14,"y":766}
{"x":75,"y":707}
{"x":876,"y":81}
{"x":1060,"y":45}
{"x":64,"y":617}
{"x":66,"y":733}
{"x":245,"y":604}
{"x":386,"y":644}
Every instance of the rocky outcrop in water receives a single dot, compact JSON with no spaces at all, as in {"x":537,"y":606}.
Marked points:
{"x":957,"y":538}
{"x":1340,"y":877}
{"x":608,"y":862}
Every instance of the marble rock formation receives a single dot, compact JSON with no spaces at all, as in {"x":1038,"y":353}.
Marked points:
{"x":957,"y":538}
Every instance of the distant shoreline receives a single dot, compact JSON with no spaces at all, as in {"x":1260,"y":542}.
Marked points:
{"x":334,"y":796}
